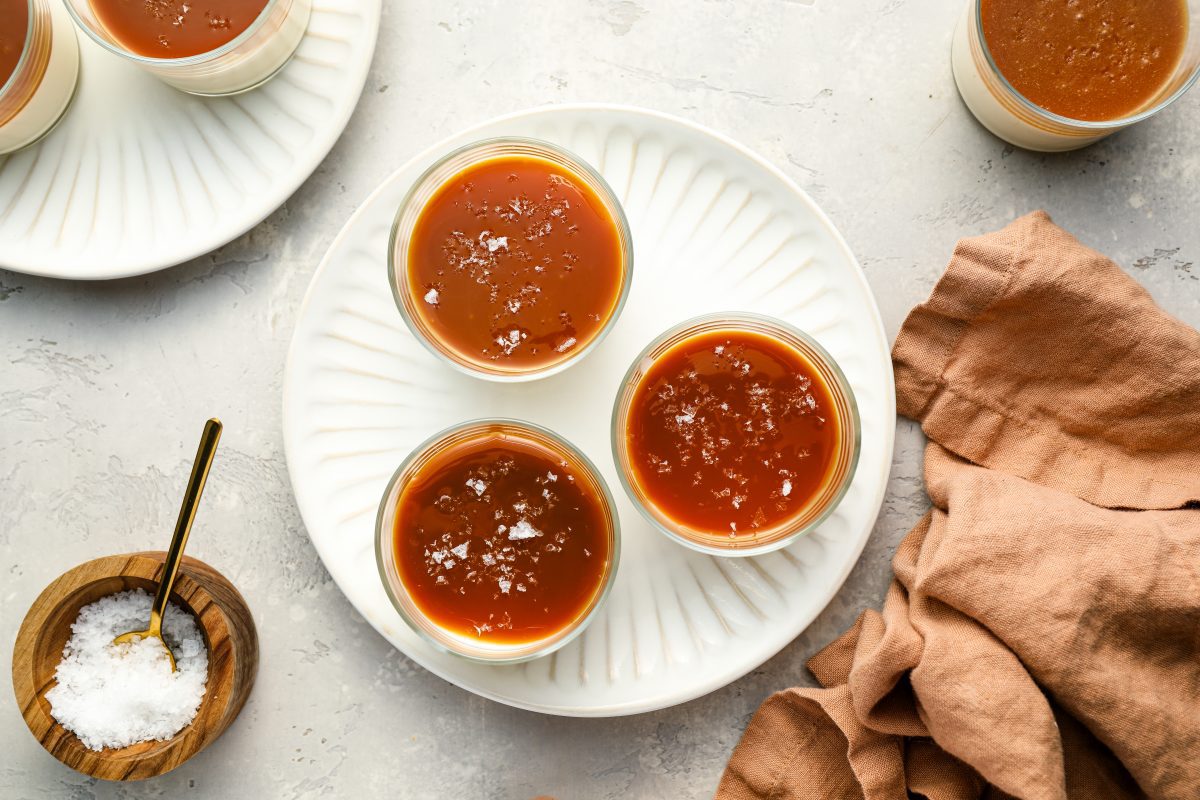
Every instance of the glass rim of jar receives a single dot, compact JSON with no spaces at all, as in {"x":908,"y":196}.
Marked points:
{"x":444,"y":169}
{"x":26,"y":51}
{"x":184,"y":61}
{"x":808,"y":518}
{"x":1050,"y":116}
{"x":397,"y":593}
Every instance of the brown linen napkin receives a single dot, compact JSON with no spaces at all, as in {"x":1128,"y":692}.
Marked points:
{"x":1041,"y":639}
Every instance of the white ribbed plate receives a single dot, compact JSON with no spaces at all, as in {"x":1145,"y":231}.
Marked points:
{"x":139,"y":176}
{"x":715,"y":228}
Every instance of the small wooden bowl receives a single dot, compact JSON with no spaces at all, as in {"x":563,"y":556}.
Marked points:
{"x":232,"y":660}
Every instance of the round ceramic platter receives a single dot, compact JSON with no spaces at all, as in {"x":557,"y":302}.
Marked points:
{"x":715,"y":228}
{"x":139,"y":176}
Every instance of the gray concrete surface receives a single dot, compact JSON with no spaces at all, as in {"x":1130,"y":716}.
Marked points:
{"x":103,"y":386}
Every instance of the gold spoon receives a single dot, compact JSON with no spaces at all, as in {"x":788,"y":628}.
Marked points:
{"x":183,"y":527}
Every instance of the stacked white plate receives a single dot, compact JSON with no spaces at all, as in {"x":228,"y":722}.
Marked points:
{"x":139,"y":176}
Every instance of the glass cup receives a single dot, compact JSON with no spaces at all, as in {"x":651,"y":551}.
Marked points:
{"x":241,"y":64}
{"x":37,"y":94}
{"x":385,"y":550}
{"x":1008,"y":114}
{"x":423,"y":191}
{"x":818,"y":508}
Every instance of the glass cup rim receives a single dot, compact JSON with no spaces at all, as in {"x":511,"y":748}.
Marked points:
{"x":520,"y":652}
{"x":185,"y":61}
{"x":396,"y":271}
{"x":739,"y":320}
{"x":1050,"y":116}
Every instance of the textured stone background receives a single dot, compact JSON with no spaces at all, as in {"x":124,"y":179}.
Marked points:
{"x":103,"y":387}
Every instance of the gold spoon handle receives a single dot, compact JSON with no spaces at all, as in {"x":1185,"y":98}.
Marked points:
{"x":187,"y":515}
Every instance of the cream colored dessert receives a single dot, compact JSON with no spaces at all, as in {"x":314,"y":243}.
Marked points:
{"x":41,"y":88}
{"x":240,"y":64}
{"x":255,"y":61}
{"x":252,"y":62}
{"x":1049,"y":77}
{"x":987,"y":108}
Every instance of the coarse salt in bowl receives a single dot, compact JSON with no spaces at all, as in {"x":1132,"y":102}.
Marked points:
{"x":114,"y":696}
{"x":224,"y":637}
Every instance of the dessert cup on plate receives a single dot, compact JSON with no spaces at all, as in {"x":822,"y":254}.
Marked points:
{"x":412,"y":299}
{"x":590,"y":585}
{"x":1008,"y":114}
{"x":827,"y":492}
{"x":37,"y":93}
{"x":243,"y":63}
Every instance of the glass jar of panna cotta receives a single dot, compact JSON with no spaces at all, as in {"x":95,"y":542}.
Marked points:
{"x":203,"y":47}
{"x":510,"y":259}
{"x":735,"y":434}
{"x":497,"y":541}
{"x":1049,"y":76}
{"x":39,"y":68}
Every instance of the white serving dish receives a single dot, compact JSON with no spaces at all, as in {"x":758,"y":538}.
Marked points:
{"x":715,"y":228}
{"x":139,"y":176}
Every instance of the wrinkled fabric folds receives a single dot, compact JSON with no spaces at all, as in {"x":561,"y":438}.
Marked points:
{"x":1041,"y":639}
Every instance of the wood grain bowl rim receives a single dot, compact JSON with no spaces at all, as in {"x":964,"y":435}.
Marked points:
{"x":229,"y":633}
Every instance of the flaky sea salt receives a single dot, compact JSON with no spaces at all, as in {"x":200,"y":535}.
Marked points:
{"x":431,"y":297}
{"x":522,"y":530}
{"x":117,"y":695}
{"x":787,"y":488}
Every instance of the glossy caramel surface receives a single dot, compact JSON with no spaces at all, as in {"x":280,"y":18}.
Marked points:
{"x":176,"y":28}
{"x":14,"y":30}
{"x":1086,"y":59}
{"x":731,"y":432}
{"x":515,"y":263}
{"x":501,"y":540}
